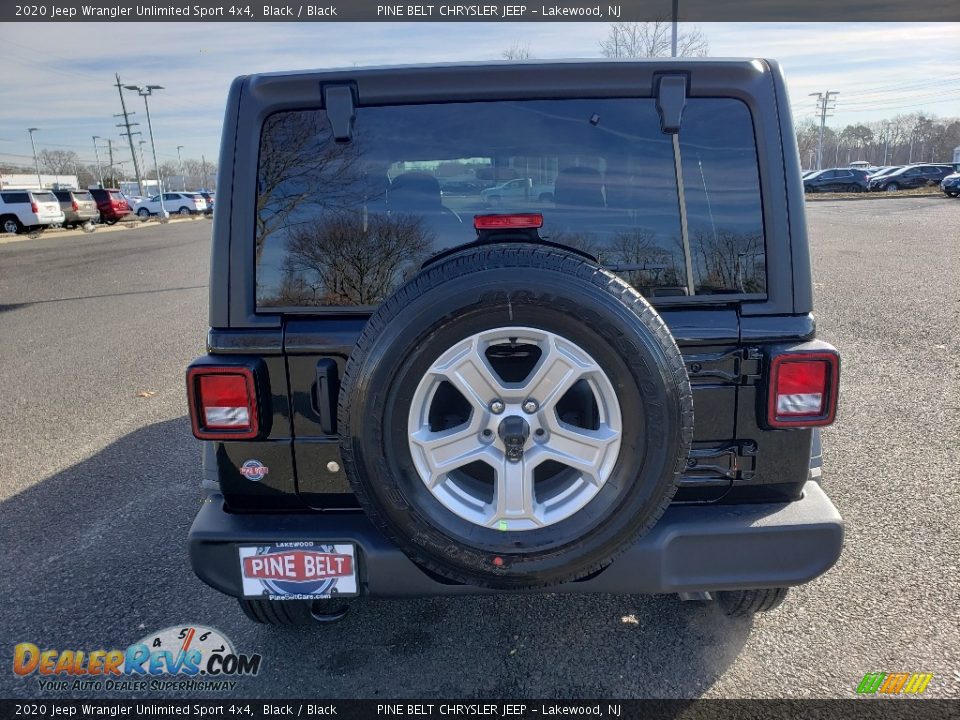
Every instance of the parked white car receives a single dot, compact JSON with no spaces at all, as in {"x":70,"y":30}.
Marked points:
{"x":28,"y":209}
{"x":517,"y":189}
{"x":175,"y":203}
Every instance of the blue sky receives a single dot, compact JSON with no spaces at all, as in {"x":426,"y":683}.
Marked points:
{"x":58,"y":76}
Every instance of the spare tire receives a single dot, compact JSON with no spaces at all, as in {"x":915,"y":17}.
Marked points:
{"x":515,"y":417}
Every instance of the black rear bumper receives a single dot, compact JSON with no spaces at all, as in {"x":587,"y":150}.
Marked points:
{"x":691,"y":549}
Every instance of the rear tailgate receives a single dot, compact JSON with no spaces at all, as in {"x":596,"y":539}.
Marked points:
{"x":317,"y":351}
{"x":47,"y":206}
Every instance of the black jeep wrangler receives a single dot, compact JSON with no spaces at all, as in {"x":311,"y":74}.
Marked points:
{"x":604,"y":380}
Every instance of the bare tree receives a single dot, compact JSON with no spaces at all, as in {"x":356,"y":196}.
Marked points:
{"x":300,"y":165}
{"x":651,"y":39}
{"x":517,"y":51}
{"x":347,"y":259}
{"x":59,"y":162}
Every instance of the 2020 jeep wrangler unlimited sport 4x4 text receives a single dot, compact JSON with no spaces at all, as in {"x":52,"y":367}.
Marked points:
{"x":613,"y":386}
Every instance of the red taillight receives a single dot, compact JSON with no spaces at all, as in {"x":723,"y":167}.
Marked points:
{"x":223,"y":403}
{"x":34,"y":208}
{"x":76,"y":205}
{"x":508,"y":222}
{"x":803,"y":389}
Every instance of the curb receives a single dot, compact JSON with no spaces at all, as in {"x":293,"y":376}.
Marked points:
{"x":135,"y":224}
{"x":853,"y":197}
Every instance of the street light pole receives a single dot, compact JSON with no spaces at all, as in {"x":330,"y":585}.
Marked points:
{"x":96,"y":151}
{"x":146,"y":92}
{"x":36,"y":161}
{"x":673,"y":39}
{"x":140,"y":144}
{"x":183,"y":178}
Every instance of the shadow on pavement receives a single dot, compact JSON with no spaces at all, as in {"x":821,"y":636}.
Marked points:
{"x":96,"y":558}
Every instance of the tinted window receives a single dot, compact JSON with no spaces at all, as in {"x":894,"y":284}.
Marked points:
{"x":345,"y":224}
{"x":63,"y":195}
{"x":722,"y":190}
{"x":116,"y":196}
{"x":83,"y":195}
{"x":15,"y":197}
{"x":44,"y":197}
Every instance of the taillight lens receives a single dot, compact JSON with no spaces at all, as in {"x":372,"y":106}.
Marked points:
{"x":223,"y":403}
{"x":34,"y":208}
{"x":803,"y":389}
{"x":508,"y":222}
{"x":76,"y":205}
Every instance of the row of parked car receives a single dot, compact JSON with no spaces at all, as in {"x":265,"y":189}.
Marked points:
{"x":889,"y":179}
{"x":30,"y":210}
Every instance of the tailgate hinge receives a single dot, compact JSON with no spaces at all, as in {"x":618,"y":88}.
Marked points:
{"x":738,"y":367}
{"x":734,"y":462}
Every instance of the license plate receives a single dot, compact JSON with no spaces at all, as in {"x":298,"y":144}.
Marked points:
{"x":298,"y":570}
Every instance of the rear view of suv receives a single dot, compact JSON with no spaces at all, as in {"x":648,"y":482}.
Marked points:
{"x":837,"y":180}
{"x":79,"y":207}
{"x":617,"y":388}
{"x":911,"y":177}
{"x":28,"y":210}
{"x":111,"y":203}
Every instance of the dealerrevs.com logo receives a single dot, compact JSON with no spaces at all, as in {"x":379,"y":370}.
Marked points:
{"x":184,"y":657}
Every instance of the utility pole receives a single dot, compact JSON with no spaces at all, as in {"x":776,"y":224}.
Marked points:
{"x":129,"y":134}
{"x":96,"y":151}
{"x":36,"y":162}
{"x":825,"y":103}
{"x":183,"y":178}
{"x":110,"y":153}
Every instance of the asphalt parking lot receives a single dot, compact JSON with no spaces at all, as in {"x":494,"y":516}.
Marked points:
{"x":99,"y":475}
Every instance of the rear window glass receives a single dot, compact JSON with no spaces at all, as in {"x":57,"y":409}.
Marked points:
{"x":117,"y":196}
{"x":44,"y":197}
{"x":82,"y":195}
{"x":344,"y":224}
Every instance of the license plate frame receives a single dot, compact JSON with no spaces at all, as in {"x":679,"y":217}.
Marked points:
{"x":306,"y":570}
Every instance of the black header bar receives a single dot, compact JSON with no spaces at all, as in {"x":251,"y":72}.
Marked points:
{"x":433,"y":709}
{"x":460,"y":11}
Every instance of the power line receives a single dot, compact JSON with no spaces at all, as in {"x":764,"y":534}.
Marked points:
{"x":905,"y":107}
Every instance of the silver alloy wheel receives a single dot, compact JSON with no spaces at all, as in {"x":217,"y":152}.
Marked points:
{"x":521,"y":493}
{"x":11,"y":226}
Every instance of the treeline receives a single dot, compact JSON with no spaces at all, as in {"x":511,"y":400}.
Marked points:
{"x":67,"y":162}
{"x":901,"y":140}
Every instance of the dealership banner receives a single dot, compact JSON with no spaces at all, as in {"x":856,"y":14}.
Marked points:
{"x":485,"y":709}
{"x":512,"y":11}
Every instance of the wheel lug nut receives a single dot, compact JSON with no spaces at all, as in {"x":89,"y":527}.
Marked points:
{"x":530,"y":406}
{"x":497,"y":406}
{"x":539,"y":432}
{"x":487,"y":433}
